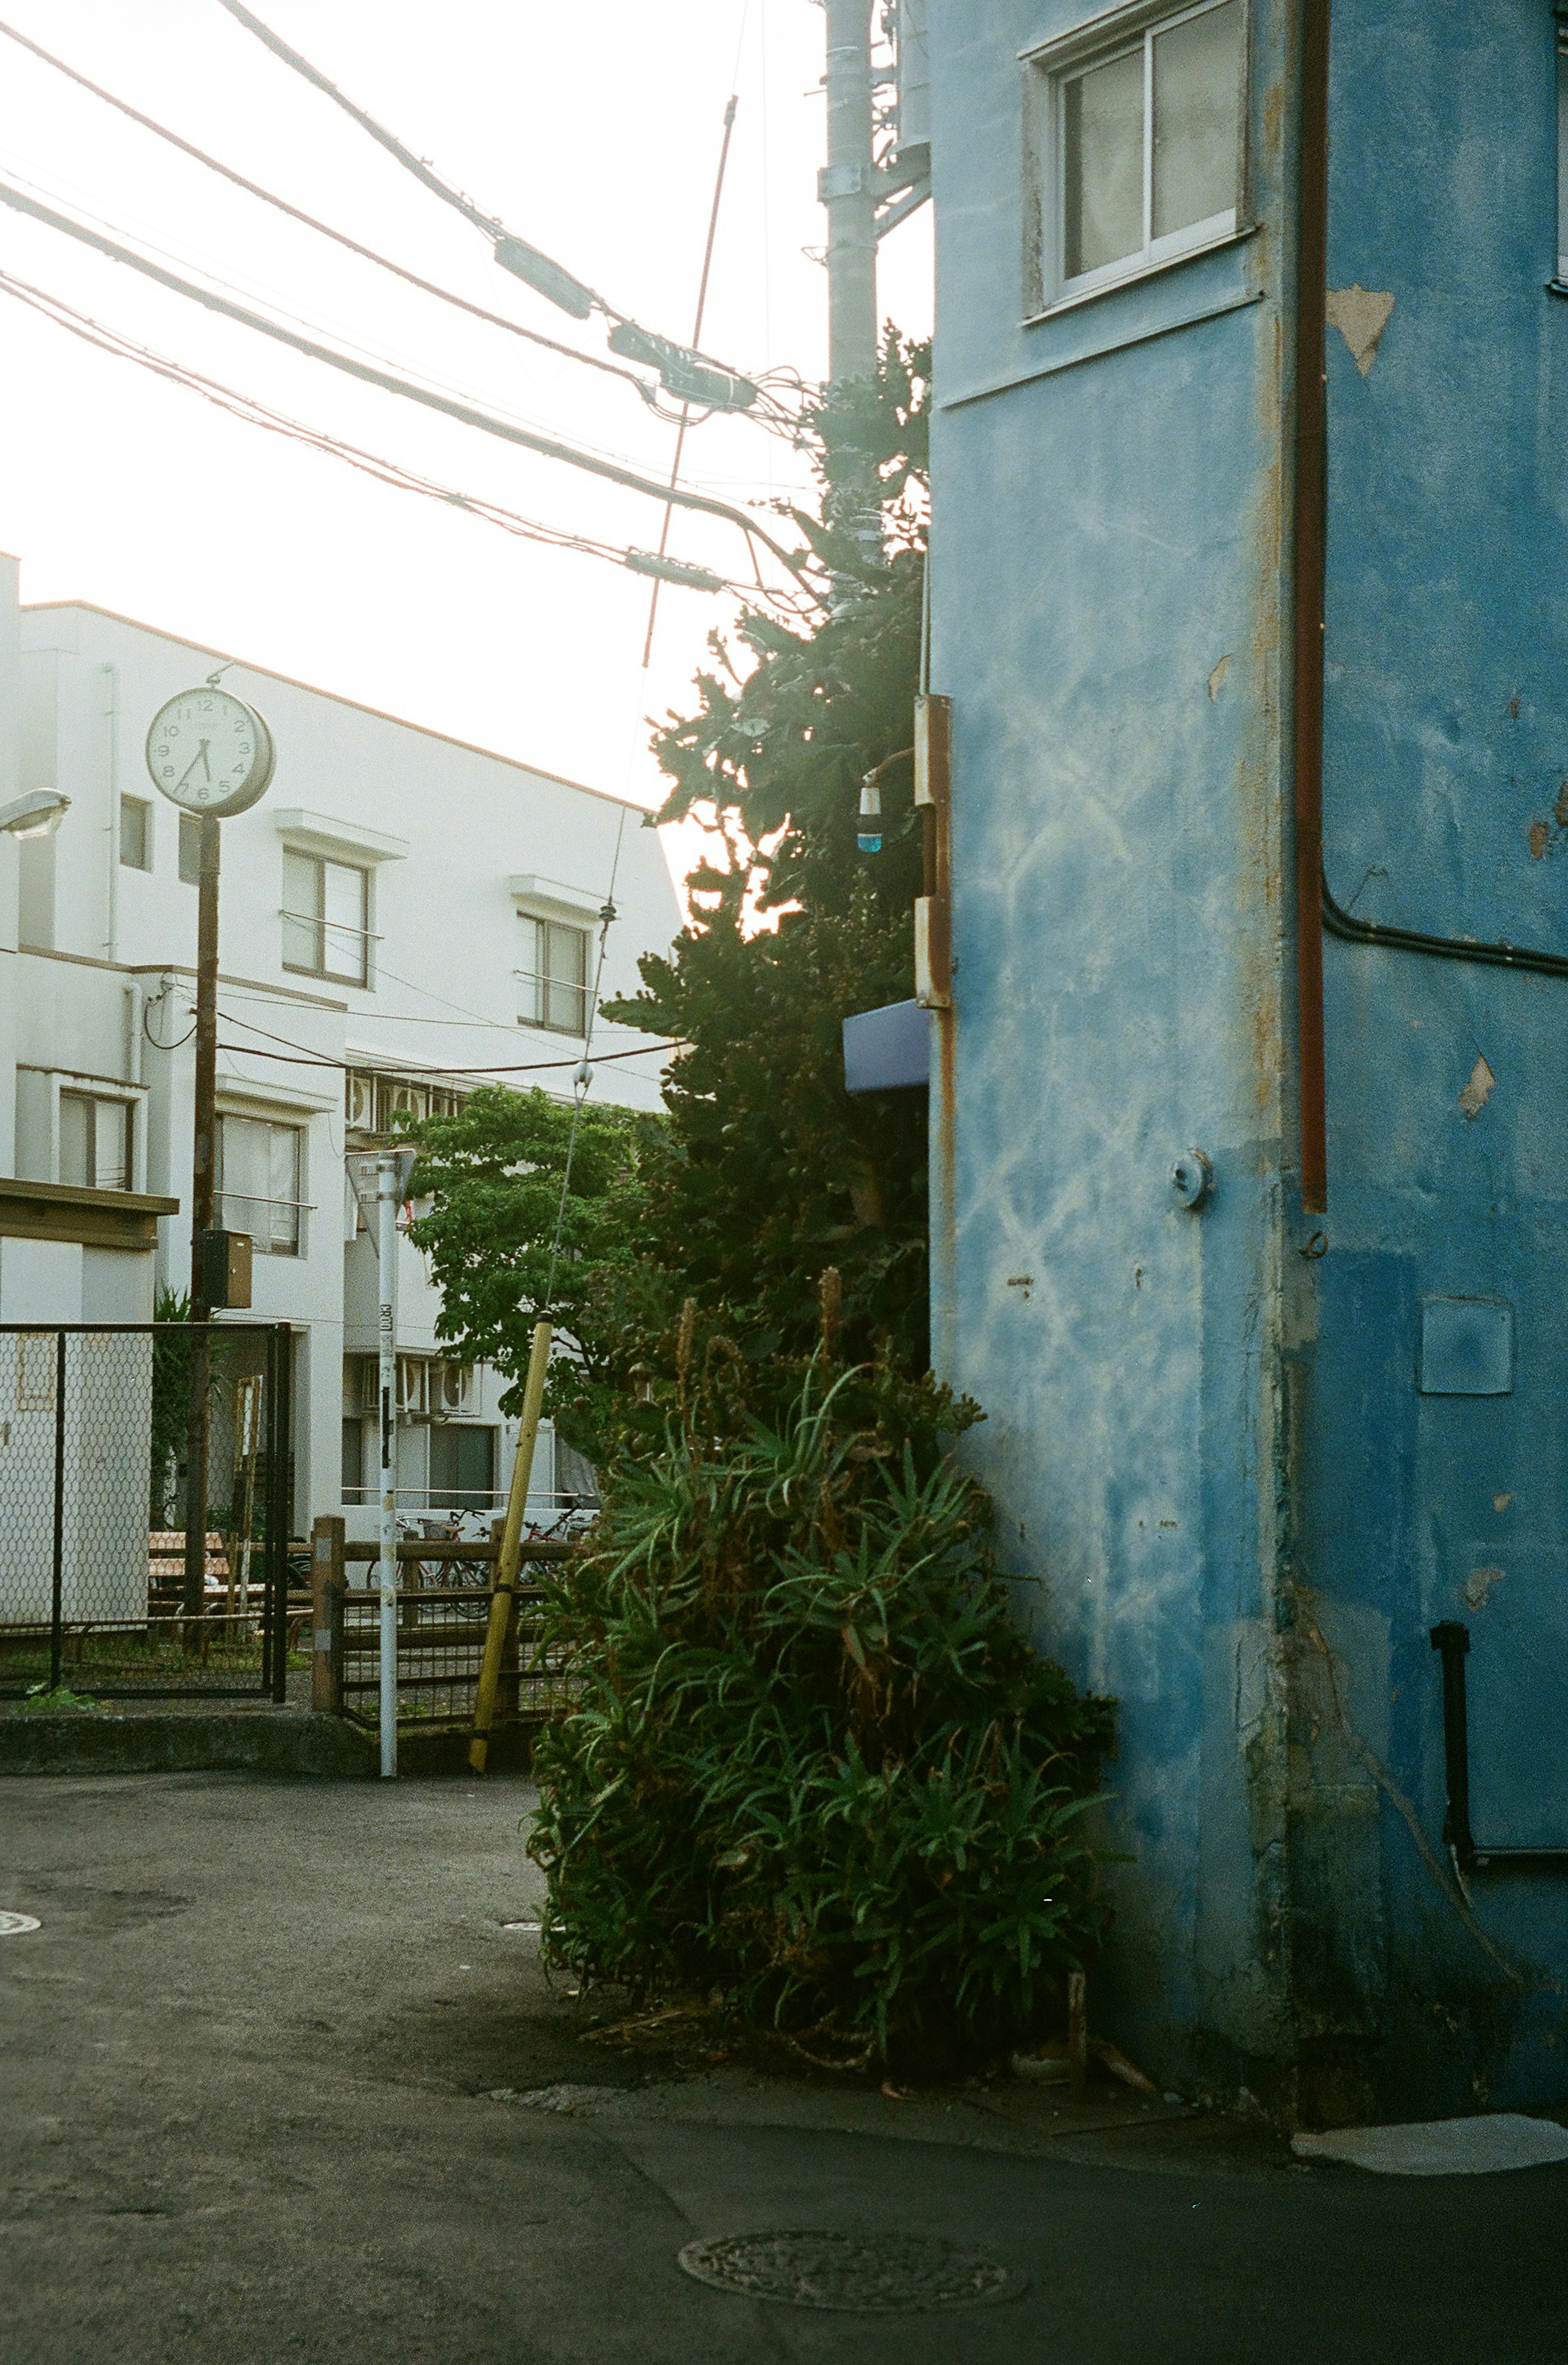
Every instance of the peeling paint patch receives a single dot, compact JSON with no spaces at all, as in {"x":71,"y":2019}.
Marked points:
{"x":1216,"y":678}
{"x":1539,"y":837}
{"x":1479,"y":1583}
{"x":1479,"y":1090}
{"x":1501,"y":1502}
{"x":1360,"y":315}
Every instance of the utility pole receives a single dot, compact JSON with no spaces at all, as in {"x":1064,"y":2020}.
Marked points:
{"x":193,"y":1599}
{"x":387,"y":1192}
{"x":847,"y":186}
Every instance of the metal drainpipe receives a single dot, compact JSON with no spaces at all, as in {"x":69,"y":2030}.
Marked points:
{"x":111,"y":942}
{"x":1308,"y":545}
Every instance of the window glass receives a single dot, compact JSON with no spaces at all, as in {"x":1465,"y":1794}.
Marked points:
{"x":353,"y":1460}
{"x":1197,"y":91}
{"x":462,"y":1467}
{"x":1103,"y":164}
{"x":136,"y":833}
{"x":343,"y":918}
{"x":301,"y":914}
{"x":95,"y":1142}
{"x":556,"y":977}
{"x":325,"y":917}
{"x":257,"y":1182}
{"x":76,"y":1139}
{"x":190,"y":849}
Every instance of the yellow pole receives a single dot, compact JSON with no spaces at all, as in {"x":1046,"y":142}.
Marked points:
{"x":503,"y":1601}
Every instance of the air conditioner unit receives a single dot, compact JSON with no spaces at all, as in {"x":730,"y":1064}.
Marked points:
{"x":450,"y":1389}
{"x":360,"y":1102}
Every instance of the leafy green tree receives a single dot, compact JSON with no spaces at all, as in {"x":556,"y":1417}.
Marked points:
{"x":493,"y":1175}
{"x":773,"y":1173}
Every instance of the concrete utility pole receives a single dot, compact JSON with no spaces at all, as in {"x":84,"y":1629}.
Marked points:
{"x":847,"y":187}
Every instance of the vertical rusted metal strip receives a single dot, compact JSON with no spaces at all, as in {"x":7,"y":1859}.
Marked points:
{"x":1308,"y":561}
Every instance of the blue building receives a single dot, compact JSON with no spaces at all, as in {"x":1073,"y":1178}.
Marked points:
{"x":1250,"y":573}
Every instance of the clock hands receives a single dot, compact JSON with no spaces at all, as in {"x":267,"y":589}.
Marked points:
{"x":199,"y":758}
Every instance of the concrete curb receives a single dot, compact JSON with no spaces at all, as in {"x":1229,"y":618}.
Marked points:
{"x":253,"y":1740}
{"x":205,"y":1741}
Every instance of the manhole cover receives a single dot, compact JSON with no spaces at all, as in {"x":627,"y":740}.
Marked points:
{"x":16,"y":1925}
{"x":872,"y":2274}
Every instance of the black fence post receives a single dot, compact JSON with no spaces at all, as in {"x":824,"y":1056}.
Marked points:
{"x":57,"y":1593}
{"x":279,"y":1510}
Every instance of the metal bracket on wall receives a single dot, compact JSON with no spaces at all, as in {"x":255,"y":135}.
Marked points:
{"x":1452,"y":1641}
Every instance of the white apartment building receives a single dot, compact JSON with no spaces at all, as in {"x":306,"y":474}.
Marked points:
{"x":399,"y":914}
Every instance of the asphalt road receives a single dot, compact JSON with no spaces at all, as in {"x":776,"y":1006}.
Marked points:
{"x":249,"y":2070}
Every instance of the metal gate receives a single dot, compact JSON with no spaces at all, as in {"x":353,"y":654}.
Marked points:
{"x":95,"y":1595}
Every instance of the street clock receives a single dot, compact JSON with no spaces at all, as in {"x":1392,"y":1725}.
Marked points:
{"x":210,"y":753}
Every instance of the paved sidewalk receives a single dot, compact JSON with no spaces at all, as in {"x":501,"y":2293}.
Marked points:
{"x":248,"y":2071}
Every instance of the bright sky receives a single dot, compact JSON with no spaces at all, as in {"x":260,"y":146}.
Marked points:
{"x":593,"y":133}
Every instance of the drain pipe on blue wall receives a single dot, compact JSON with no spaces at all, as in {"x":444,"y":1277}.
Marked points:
{"x":1308,"y":542}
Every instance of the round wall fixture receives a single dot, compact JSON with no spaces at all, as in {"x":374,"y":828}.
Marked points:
{"x":1192,"y":1179}
{"x":864,"y":2274}
{"x":17,"y":1925}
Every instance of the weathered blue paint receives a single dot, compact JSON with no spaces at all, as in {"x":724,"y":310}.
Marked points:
{"x":1206,"y":1433}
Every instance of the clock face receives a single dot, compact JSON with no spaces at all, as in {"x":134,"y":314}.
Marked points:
{"x":210,"y":752}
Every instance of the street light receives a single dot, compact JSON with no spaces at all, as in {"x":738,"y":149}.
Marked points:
{"x":37,"y":814}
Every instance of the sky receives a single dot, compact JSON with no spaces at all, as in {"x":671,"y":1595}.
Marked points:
{"x":593,"y":133}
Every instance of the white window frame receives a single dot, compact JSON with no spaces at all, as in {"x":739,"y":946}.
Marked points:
{"x":301,"y":1205}
{"x":93,"y":1089}
{"x":363,"y":936}
{"x":1050,"y":66}
{"x":542,"y":984}
{"x":149,"y":840}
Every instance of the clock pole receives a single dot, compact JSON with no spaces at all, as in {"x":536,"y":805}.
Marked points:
{"x":203,"y":1177}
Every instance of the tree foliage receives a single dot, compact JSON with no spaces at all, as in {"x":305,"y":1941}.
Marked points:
{"x":810,"y":1760}
{"x":773,"y":1172}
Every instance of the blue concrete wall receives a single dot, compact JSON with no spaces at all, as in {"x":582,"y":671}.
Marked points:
{"x":1206,"y":1441}
{"x":1445,"y":751}
{"x":1107,"y":561}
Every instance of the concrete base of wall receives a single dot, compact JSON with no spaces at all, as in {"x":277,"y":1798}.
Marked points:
{"x":323,"y":1748}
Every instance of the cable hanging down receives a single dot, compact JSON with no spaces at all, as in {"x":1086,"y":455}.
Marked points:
{"x":547,"y":446}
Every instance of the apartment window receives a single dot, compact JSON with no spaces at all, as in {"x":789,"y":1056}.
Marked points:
{"x":94,"y":1141}
{"x":136,"y":833}
{"x":555,"y":977}
{"x":353,"y":1487}
{"x":461,"y":1468}
{"x":326,"y":918}
{"x":190,"y":849}
{"x":1142,"y":158}
{"x":259,"y":1169}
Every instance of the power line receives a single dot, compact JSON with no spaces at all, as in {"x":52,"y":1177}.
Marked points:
{"x":308,"y":1058}
{"x":540,"y":272}
{"x":368,"y":254}
{"x":392,"y":472}
{"x":390,"y":384}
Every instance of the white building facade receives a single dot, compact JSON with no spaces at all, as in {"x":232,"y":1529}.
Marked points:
{"x":402,"y":916}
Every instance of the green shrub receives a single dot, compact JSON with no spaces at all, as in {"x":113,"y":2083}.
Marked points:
{"x":810,"y":1760}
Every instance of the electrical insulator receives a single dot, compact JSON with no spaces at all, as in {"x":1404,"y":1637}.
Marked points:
{"x":869,"y":841}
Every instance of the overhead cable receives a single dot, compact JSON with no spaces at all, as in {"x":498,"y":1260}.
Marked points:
{"x":547,"y":446}
{"x":705,"y":382}
{"x":393,"y":473}
{"x":296,"y":213}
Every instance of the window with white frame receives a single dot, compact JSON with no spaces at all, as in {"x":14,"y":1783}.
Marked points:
{"x":554,"y":979}
{"x":326,"y":917}
{"x":135,"y":834}
{"x":260,"y":1166}
{"x":1141,"y":148}
{"x":95,"y":1141}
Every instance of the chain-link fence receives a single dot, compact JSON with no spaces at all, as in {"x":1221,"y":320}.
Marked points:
{"x":106,"y":1588}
